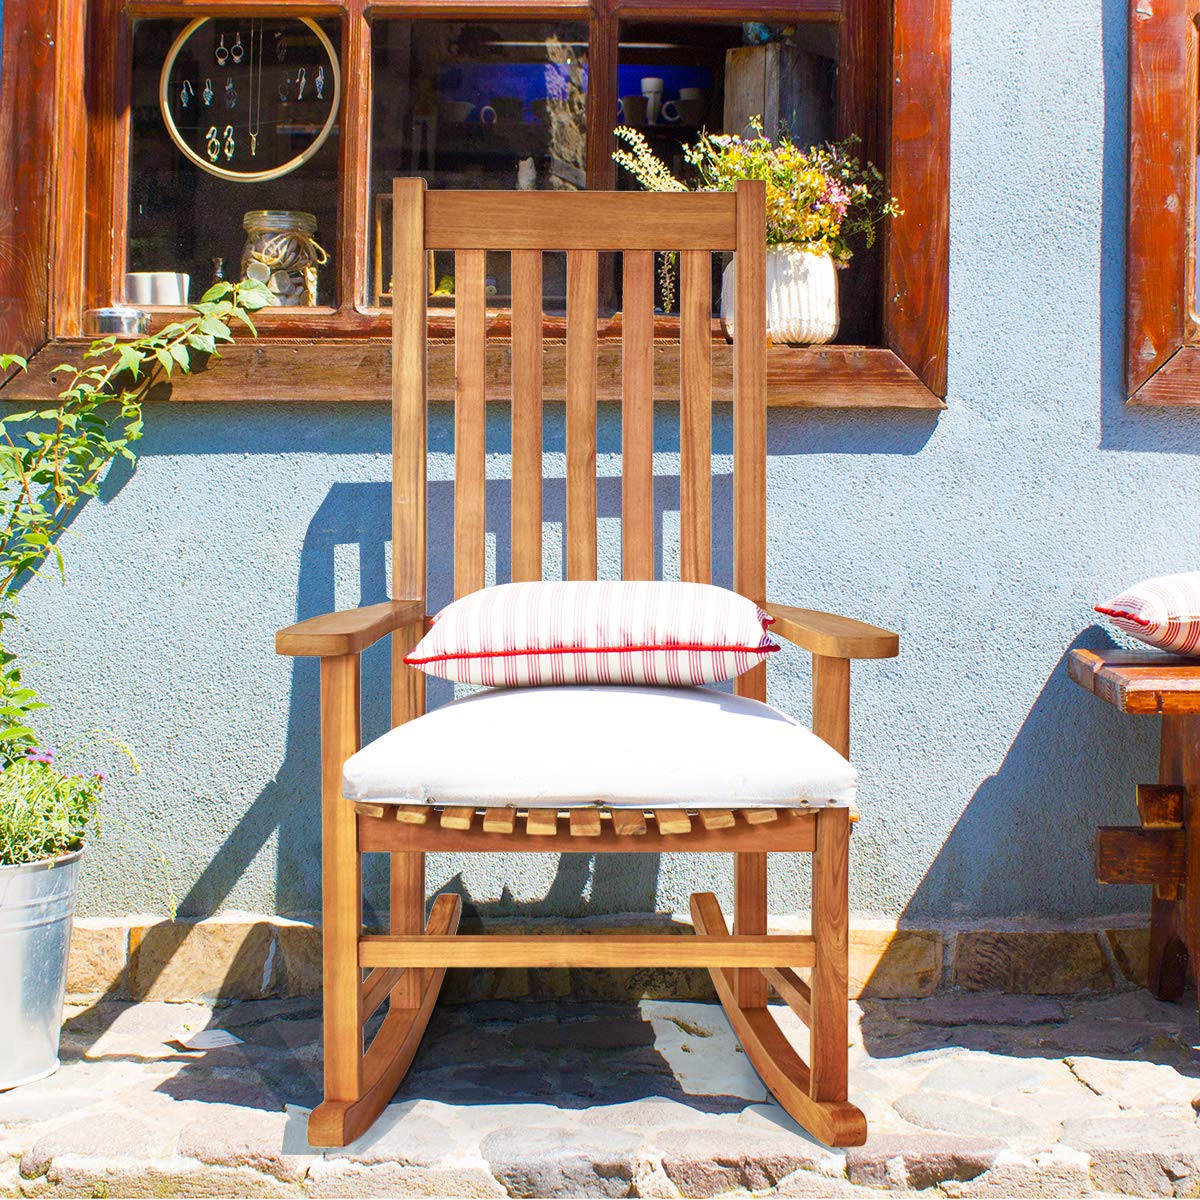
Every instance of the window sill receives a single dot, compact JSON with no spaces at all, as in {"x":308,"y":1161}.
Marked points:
{"x":358,"y":370}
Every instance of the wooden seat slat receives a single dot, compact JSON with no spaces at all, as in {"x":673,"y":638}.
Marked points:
{"x":629,"y":822}
{"x":541,"y":822}
{"x":758,"y":816}
{"x":672,"y":820}
{"x":585,"y":822}
{"x":499,"y":820}
{"x":412,"y":814}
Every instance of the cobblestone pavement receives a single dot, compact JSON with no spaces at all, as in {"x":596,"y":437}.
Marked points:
{"x":969,"y":1093}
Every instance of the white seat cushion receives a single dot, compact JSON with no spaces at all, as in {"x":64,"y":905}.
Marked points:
{"x":619,"y":746}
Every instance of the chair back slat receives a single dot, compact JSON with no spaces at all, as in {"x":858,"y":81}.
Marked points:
{"x":750,"y":414}
{"x":616,"y":221}
{"x":637,"y":417}
{"x":695,"y":416}
{"x":582,"y":276}
{"x":470,"y":420}
{"x":526,"y":415}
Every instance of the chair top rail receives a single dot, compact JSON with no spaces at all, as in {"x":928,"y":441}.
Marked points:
{"x":487,"y":220}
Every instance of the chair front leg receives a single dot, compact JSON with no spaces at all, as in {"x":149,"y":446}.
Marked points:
{"x":341,"y":875}
{"x":831,"y":895}
{"x":830,"y":1054}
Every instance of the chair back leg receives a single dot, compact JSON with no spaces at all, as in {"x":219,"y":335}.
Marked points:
{"x":750,"y":917}
{"x":407,"y":918}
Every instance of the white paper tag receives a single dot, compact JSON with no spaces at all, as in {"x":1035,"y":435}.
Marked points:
{"x":207,"y":1039}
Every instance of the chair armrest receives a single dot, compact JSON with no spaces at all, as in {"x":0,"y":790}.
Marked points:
{"x":349,"y":632}
{"x":830,"y":635}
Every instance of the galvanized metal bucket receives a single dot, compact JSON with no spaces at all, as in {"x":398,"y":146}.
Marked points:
{"x":37,"y":905}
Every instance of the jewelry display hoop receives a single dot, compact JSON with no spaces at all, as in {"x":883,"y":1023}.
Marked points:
{"x":164,"y":101}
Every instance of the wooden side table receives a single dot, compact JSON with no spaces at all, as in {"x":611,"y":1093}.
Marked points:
{"x":1164,"y":850}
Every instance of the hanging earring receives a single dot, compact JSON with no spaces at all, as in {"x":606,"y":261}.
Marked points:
{"x":239,"y":51}
{"x":284,"y":93}
{"x":221,"y":53}
{"x":214,"y":145}
{"x":207,"y":93}
{"x":302,"y":78}
{"x":230,"y":145}
{"x":320,"y":83}
{"x":186,"y":91}
{"x":280,"y":46}
{"x":230,"y":94}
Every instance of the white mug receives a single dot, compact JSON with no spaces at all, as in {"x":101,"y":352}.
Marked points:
{"x":487,"y":115}
{"x":139,"y":287}
{"x":652,"y":89}
{"x":170,"y":288}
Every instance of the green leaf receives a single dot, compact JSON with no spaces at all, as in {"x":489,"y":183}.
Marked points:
{"x":218,"y":291}
{"x":12,"y":360}
{"x":181,"y":356}
{"x":252,"y":298}
{"x":165,"y":360}
{"x":216,"y":328}
{"x":244,"y":317}
{"x":203,"y":342}
{"x":130,"y":358}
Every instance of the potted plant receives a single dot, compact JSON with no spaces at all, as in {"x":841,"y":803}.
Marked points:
{"x":49,"y":461}
{"x":818,"y":199}
{"x":45,"y":811}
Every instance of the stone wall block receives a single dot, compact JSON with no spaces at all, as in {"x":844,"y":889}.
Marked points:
{"x":1031,"y":962}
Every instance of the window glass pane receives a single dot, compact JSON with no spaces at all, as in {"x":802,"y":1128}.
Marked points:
{"x":476,"y":104}
{"x":676,"y":80}
{"x":245,"y":95}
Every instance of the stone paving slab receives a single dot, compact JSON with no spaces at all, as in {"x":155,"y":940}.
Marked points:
{"x":966,"y":1094}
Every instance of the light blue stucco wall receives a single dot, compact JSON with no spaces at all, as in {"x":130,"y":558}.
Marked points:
{"x":984,"y":535}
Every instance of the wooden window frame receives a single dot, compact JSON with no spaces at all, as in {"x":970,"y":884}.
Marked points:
{"x":65,"y":169}
{"x":1162,"y":335}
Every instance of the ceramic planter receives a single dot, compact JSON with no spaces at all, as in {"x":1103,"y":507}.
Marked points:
{"x":37,"y":907}
{"x":802,"y":296}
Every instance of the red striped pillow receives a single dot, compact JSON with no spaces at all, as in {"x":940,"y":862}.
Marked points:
{"x":526,"y":634}
{"x":1164,"y":612}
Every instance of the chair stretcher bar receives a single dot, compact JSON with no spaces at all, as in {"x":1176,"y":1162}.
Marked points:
{"x":586,"y":950}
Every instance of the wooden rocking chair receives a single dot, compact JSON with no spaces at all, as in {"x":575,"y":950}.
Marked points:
{"x":405,"y":968}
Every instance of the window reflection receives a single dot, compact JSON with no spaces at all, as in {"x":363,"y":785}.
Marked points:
{"x":250,"y":94}
{"x":470,"y":104}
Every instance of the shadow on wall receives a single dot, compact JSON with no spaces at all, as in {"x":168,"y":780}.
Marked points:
{"x":1057,"y":776}
{"x":1073,"y":766}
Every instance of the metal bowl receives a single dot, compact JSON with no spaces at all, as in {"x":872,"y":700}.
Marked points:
{"x":125,"y":322}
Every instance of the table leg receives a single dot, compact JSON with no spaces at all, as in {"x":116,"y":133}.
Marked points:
{"x":1175,"y":922}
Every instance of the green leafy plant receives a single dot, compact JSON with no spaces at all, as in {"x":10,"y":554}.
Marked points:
{"x":817,"y":198}
{"x":44,"y":811}
{"x":52,"y":458}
